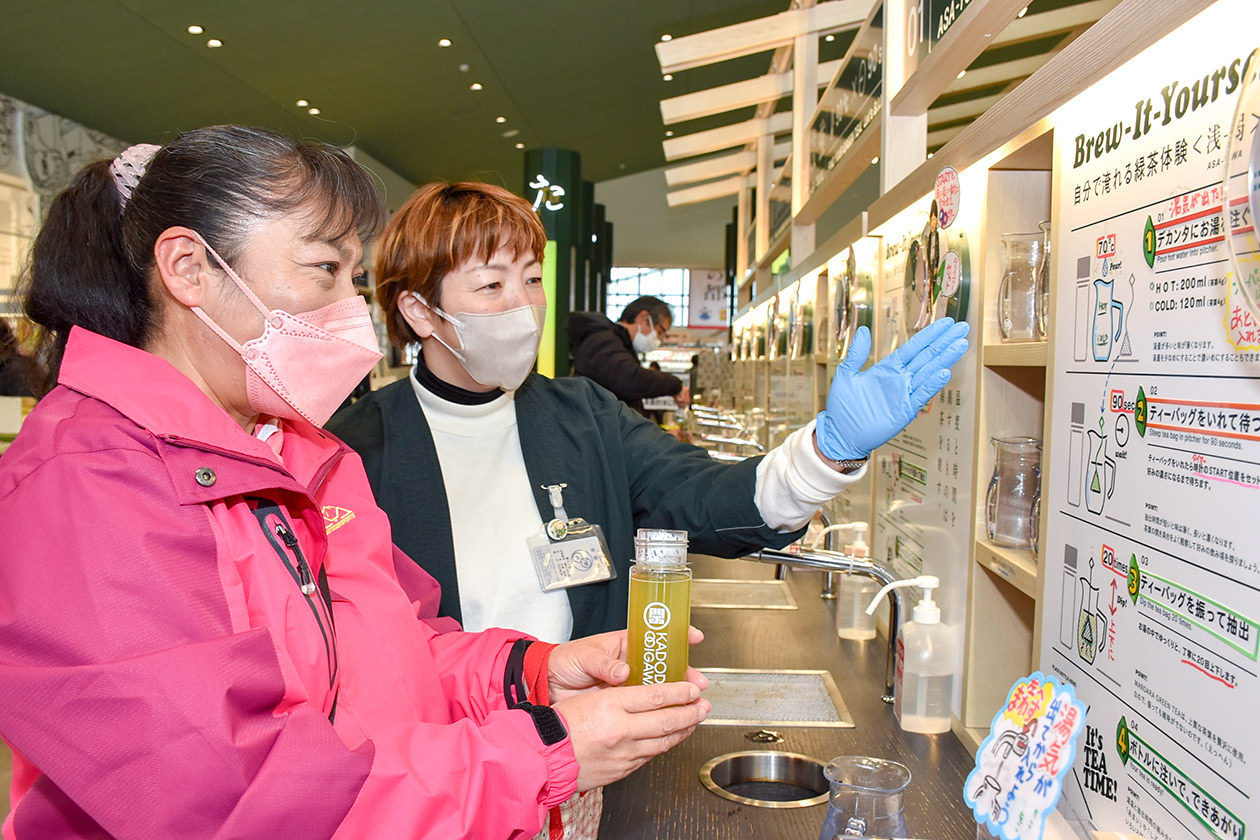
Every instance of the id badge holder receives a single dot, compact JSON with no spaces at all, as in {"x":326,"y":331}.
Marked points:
{"x":569,"y":552}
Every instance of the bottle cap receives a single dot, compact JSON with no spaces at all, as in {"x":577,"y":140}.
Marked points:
{"x":926,"y":611}
{"x":656,"y":548}
{"x":927,"y":583}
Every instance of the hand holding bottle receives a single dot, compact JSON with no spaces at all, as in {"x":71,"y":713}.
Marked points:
{"x":615,"y":731}
{"x":599,"y":661}
{"x":867,"y":408}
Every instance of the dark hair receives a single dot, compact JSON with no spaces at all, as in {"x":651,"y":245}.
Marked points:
{"x":8,"y":341}
{"x":90,"y":263}
{"x":659,"y":310}
{"x":441,"y":226}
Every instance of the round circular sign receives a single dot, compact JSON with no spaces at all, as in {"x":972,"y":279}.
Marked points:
{"x":951,"y":274}
{"x":948,"y":193}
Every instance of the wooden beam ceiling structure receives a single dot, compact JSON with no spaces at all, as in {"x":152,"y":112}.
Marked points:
{"x":962,"y":101}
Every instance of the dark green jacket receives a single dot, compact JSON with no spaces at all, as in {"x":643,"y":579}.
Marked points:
{"x":622,"y":472}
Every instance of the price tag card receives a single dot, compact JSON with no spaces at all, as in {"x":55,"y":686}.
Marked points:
{"x":1020,"y":766}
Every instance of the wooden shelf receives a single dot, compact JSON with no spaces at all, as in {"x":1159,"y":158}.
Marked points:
{"x":970,"y":736}
{"x":1021,"y":354}
{"x":1016,"y":566}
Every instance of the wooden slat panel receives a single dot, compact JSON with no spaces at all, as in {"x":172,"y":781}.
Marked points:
{"x":754,"y":36}
{"x":745,"y":94}
{"x":725,"y":137}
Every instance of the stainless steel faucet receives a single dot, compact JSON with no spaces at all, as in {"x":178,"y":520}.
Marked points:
{"x":830,"y":542}
{"x":834,"y":561}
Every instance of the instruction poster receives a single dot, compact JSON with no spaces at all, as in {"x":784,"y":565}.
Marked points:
{"x":1152,"y":591}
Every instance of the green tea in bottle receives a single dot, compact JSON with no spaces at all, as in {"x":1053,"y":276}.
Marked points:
{"x":660,"y":608}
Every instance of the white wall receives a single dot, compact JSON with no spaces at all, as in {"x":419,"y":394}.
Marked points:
{"x":647,"y":232}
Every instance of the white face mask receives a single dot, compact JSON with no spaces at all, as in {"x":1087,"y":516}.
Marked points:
{"x":497,"y":349}
{"x":648,"y":341}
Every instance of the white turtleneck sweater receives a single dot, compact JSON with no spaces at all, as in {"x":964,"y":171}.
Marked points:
{"x":492,"y":515}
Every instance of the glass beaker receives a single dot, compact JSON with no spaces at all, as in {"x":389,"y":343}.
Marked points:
{"x":1043,"y":281}
{"x":1017,"y":293}
{"x":1014,"y":492}
{"x":866,"y":798}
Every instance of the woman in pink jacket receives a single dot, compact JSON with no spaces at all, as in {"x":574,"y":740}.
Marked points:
{"x":205,"y":630}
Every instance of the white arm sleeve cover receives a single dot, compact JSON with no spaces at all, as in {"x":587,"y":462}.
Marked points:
{"x":793,"y":481}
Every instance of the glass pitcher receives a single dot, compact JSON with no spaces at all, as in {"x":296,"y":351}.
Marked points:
{"x":866,"y":798}
{"x":1043,"y":281}
{"x":1018,"y":291}
{"x":1014,"y":496}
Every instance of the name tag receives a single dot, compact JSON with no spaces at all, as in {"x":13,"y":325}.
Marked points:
{"x":570,"y":552}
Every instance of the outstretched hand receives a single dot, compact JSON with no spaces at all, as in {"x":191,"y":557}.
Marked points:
{"x":867,"y":408}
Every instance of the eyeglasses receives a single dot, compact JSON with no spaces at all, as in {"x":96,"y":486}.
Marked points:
{"x":661,"y":330}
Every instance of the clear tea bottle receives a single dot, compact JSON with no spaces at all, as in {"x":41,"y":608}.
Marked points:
{"x":660,"y":608}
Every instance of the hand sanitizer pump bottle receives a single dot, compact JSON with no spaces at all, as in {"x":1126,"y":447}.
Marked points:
{"x":925,"y":663}
{"x":856,"y":591}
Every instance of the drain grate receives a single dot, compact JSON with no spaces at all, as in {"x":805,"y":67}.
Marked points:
{"x":741,"y":697}
{"x":713,"y":593}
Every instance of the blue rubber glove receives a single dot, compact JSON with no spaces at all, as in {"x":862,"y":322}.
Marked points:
{"x":866,"y":409}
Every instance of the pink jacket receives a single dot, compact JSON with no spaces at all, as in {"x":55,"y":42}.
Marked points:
{"x":163,"y":673}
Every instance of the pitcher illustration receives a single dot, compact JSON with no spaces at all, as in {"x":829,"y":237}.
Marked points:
{"x":1100,"y":473}
{"x":1091,"y":626}
{"x":1107,"y":324}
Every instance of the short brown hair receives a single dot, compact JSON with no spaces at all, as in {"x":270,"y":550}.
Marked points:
{"x":439,"y":228}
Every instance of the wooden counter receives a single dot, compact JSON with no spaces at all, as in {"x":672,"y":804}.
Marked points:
{"x":664,"y":800}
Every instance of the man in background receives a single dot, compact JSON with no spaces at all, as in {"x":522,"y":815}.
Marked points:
{"x":609,"y":353}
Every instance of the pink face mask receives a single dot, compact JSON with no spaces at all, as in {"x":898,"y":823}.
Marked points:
{"x":303,"y":365}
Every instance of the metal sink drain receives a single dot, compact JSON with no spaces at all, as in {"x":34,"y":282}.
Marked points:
{"x":767,"y":779}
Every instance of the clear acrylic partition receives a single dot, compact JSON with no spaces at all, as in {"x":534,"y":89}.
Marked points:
{"x":780,"y":205}
{"x":851,"y":101}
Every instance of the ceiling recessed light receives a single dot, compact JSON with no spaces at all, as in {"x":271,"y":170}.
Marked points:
{"x":874,"y":161}
{"x":302,"y":103}
{"x":669,"y":77}
{"x":475,"y":86}
{"x":195,"y":30}
{"x":444,"y":42}
{"x":669,"y":134}
{"x":214,"y":43}
{"x":829,"y":38}
{"x":500,"y":119}
{"x":667,"y":37}
{"x":314,"y":112}
{"x":1022,"y":12}
{"x":520,"y":145}
{"x":930,"y":154}
{"x":962,"y":73}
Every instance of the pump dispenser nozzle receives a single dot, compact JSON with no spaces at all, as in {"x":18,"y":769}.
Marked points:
{"x":926,"y":611}
{"x":858,"y":544}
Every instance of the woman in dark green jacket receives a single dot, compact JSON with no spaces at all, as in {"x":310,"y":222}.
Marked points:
{"x":461,"y":452}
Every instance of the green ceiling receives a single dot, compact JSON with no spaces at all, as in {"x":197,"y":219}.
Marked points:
{"x":578,"y":74}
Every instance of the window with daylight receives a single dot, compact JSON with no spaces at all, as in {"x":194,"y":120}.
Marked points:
{"x":668,"y":284}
